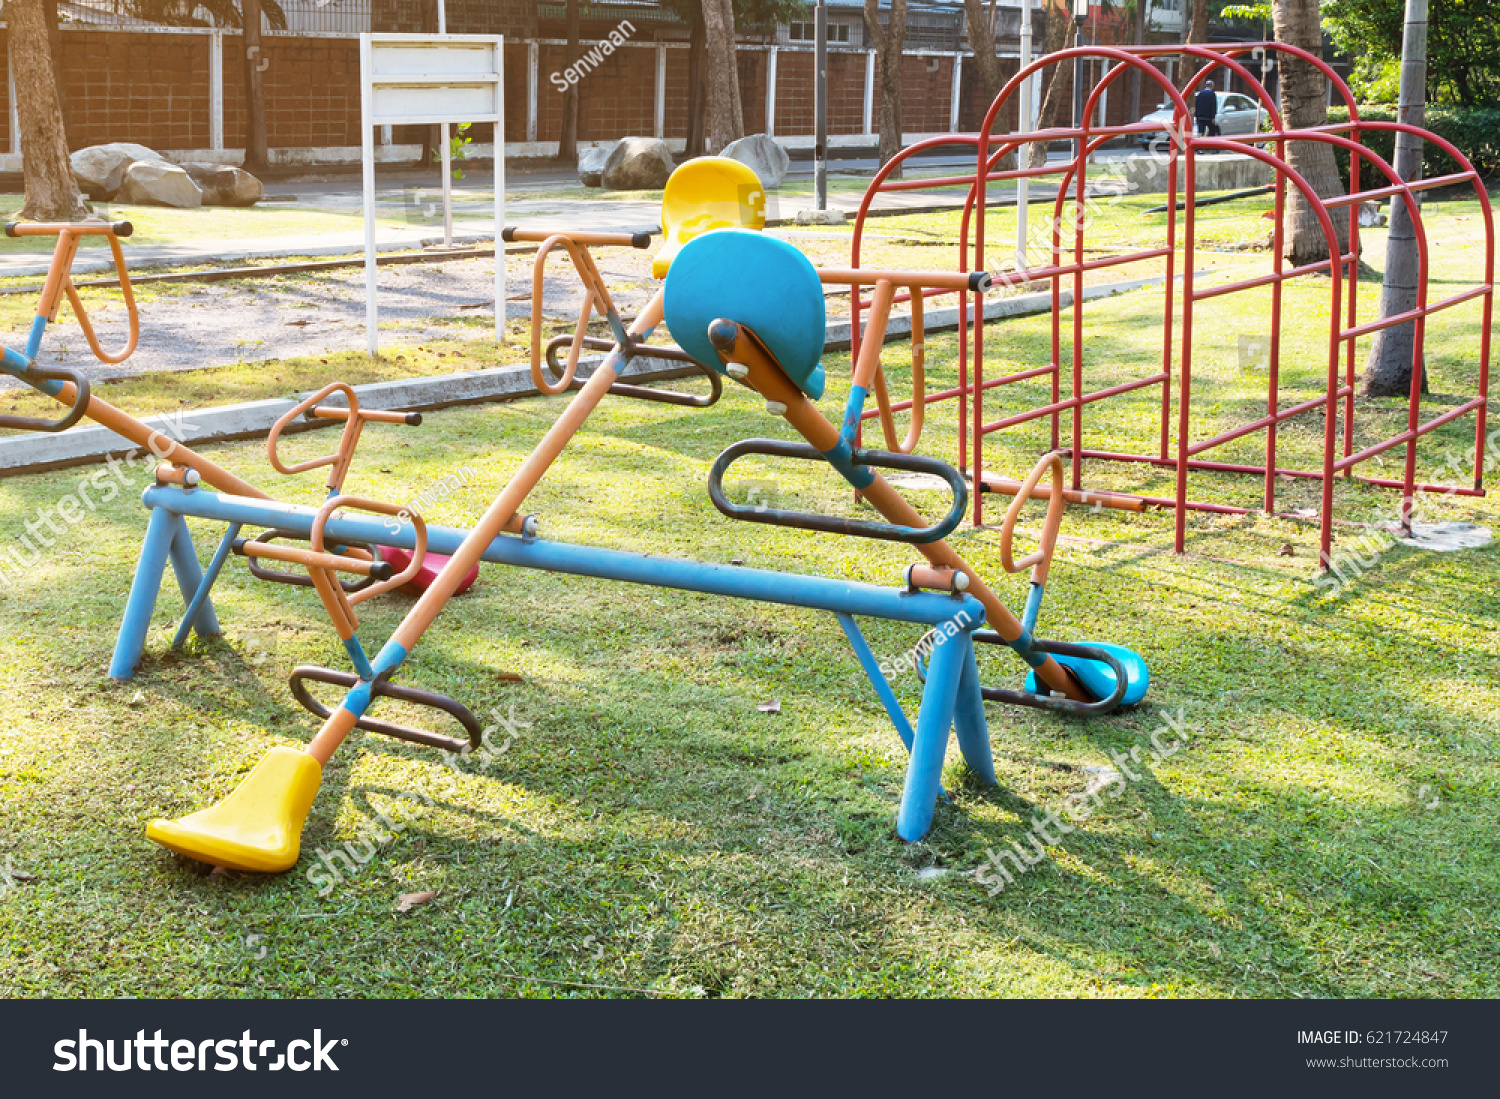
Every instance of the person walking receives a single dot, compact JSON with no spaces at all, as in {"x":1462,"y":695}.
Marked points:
{"x":1206,"y":111}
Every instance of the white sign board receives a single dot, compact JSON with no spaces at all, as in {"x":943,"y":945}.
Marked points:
{"x":426,"y":79}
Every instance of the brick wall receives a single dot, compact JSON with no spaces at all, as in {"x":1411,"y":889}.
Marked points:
{"x":794,"y":93}
{"x":148,"y":88}
{"x":154,"y":89}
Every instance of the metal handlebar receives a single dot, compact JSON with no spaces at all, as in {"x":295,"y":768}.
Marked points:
{"x":81,"y":399}
{"x":354,"y":419}
{"x":863,"y":528}
{"x":60,"y":281}
{"x":79,"y":228}
{"x":642,"y":392}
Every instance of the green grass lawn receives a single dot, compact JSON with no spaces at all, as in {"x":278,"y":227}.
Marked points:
{"x":1330,"y":830}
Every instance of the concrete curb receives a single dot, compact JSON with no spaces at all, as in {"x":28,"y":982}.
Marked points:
{"x":36,"y":453}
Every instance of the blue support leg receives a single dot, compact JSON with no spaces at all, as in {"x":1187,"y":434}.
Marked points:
{"x":968,"y":716}
{"x":190,"y":580}
{"x":877,"y":678}
{"x":200,"y":597}
{"x":934,"y":719}
{"x":143,"y":590}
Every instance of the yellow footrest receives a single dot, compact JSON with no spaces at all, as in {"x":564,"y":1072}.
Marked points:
{"x":258,"y":827}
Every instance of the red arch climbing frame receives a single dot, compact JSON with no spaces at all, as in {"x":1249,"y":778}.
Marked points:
{"x":1176,"y":448}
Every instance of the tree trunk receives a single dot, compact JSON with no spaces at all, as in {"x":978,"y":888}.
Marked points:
{"x":257,"y":155}
{"x":1063,"y":36}
{"x":697,"y":91}
{"x":890,"y":43}
{"x":726,"y":118}
{"x":982,"y":44}
{"x":1304,"y":104}
{"x":567,"y":144}
{"x":1142,"y":17}
{"x":1393,"y":352}
{"x":51,"y":191}
{"x":1197,"y":35}
{"x":54,"y":39}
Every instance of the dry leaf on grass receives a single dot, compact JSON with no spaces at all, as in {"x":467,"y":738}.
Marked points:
{"x":770,"y":706}
{"x":407,"y":901}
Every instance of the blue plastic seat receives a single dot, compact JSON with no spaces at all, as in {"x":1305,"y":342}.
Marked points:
{"x":1099,"y":678}
{"x":758,"y":281}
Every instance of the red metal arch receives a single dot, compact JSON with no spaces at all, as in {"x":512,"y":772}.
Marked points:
{"x":1343,"y":332}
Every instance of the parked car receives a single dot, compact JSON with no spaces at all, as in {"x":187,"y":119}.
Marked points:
{"x":1238,"y":114}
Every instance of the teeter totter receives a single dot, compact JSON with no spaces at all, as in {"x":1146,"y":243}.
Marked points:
{"x":746,"y":307}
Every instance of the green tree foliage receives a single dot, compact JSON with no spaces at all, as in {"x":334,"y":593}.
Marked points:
{"x":1463,"y":43}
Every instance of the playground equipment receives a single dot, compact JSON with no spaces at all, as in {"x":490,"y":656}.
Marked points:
{"x":744,"y":306}
{"x":1178,"y":448}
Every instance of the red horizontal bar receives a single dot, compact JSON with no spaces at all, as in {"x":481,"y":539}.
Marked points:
{"x":1419,"y":185}
{"x":1413,"y":314}
{"x":1071,"y":402}
{"x":1408,"y":435}
{"x":1265,"y":280}
{"x":1266,"y":421}
{"x":949,"y":394}
{"x":1232,"y":467}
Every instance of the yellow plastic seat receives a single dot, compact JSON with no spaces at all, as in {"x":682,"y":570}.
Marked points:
{"x":709,"y":192}
{"x":258,"y":827}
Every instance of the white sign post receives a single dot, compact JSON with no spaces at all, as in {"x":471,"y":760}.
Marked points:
{"x":421,"y":79}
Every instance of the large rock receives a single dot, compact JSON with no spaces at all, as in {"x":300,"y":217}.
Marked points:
{"x":157,"y":183}
{"x":591,"y":163}
{"x":638,"y":164}
{"x":763,"y":156}
{"x":223,"y":185}
{"x":100,"y":169}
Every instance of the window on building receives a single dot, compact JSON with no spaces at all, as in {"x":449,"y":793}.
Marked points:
{"x":807,"y":32}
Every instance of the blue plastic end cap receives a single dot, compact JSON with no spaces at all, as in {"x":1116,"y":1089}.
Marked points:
{"x":1098,"y":678}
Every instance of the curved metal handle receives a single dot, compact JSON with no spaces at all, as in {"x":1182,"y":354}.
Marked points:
{"x":863,"y":528}
{"x":130,"y":308}
{"x":1041,"y":560}
{"x":80,"y":402}
{"x":918,"y":403}
{"x":341,"y":457}
{"x":406,"y":575}
{"x":595,"y":297}
{"x":380,"y":688}
{"x":641,"y":392}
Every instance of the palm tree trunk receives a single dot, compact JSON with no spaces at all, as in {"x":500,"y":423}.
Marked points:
{"x":51,"y":191}
{"x":1304,"y":104}
{"x":726,"y":118}
{"x":1392,"y":354}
